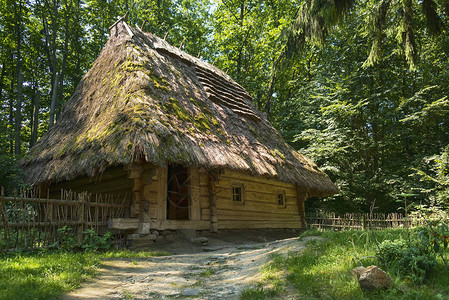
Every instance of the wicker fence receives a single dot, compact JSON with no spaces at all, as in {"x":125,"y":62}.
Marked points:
{"x":322,"y":220}
{"x":28,"y":221}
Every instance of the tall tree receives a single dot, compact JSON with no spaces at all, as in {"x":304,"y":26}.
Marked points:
{"x":18,"y":116}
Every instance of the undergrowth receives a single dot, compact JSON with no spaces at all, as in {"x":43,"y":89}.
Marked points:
{"x":323,"y":270}
{"x":48,"y":274}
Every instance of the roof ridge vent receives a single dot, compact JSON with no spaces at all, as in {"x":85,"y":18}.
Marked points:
{"x":121,"y":19}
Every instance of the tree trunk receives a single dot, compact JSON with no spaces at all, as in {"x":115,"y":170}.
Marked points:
{"x":53,"y":102}
{"x":242,"y":45}
{"x":2,"y":76}
{"x":35,"y":119}
{"x":11,"y":114}
{"x":18,"y":120}
{"x":272,"y":82}
{"x":50,"y":48}
{"x":64,"y":58}
{"x":18,"y":115}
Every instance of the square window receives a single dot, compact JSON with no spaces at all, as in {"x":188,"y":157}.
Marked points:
{"x":237,"y":194}
{"x":280,"y":198}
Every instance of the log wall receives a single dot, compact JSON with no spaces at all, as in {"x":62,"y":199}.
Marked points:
{"x":260,"y":208}
{"x":146,"y":188}
{"x":113,"y":181}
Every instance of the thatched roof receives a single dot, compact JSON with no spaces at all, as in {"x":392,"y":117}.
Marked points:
{"x":144,"y":99}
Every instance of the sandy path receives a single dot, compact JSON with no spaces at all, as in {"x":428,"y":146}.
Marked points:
{"x":220,"y":274}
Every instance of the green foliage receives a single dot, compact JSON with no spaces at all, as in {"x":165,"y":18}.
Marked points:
{"x":11,"y":175}
{"x":416,"y":257}
{"x":408,"y":261}
{"x":434,"y":173}
{"x":67,"y":238}
{"x":369,"y":128}
{"x":434,"y":237}
{"x":323,"y":270}
{"x":207,"y":272}
{"x":44,"y":275}
{"x":64,"y":38}
{"x":258,"y":293}
{"x":47,"y":275}
{"x":93,"y":242}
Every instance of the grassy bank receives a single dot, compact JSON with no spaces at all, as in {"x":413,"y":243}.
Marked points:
{"x":47,"y":275}
{"x":323,"y":270}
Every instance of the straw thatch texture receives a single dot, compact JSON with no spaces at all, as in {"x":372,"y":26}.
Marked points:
{"x":146,"y":100}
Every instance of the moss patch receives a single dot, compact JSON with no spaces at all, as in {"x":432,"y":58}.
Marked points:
{"x":174,"y":107}
{"x":159,"y":82}
{"x":201,"y":122}
{"x":277,"y":153}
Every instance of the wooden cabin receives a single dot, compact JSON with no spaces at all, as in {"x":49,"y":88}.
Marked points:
{"x":178,"y":139}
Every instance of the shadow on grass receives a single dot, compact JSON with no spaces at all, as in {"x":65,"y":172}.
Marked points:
{"x":323,"y":271}
{"x":47,"y":275}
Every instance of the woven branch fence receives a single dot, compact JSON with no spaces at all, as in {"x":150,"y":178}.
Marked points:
{"x":28,"y":221}
{"x":324,"y":220}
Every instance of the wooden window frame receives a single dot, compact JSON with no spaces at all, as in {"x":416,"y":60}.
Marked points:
{"x":242,"y":193}
{"x":284,"y":199}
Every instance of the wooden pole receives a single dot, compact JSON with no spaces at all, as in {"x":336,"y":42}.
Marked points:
{"x":81,"y":210}
{"x":301,"y":196}
{"x":161,"y":213}
{"x":194,"y":205}
{"x":213,"y":178}
{"x":135,"y":173}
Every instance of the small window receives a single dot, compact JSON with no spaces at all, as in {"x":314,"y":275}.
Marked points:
{"x":280,"y":198}
{"x":237,"y":193}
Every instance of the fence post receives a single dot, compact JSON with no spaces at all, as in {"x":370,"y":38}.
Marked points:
{"x":2,"y":196}
{"x":81,"y":214}
{"x":363,"y":221}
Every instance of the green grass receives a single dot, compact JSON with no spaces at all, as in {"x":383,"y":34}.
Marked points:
{"x":323,"y":271}
{"x":47,"y":275}
{"x":207,"y":272}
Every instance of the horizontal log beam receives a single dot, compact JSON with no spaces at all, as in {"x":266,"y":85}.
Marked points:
{"x":123,"y":223}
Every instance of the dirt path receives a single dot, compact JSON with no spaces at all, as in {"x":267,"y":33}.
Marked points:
{"x":220,"y":274}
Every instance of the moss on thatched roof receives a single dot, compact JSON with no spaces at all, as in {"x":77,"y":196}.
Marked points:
{"x":146,"y":100}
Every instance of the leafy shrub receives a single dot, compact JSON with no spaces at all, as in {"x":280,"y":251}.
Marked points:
{"x":415,"y":265}
{"x":409,"y":261}
{"x":67,"y":239}
{"x":391,"y":251}
{"x":11,"y":175}
{"x":93,"y":242}
{"x":434,"y":236}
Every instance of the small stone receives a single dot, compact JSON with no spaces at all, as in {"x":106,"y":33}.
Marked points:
{"x":200,"y":240}
{"x":159,"y":238}
{"x":356,"y":272}
{"x":155,"y":232}
{"x":144,"y":228}
{"x":190,"y":292}
{"x":374,"y":278}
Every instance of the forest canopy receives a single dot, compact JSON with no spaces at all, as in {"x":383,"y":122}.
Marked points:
{"x":361,"y":87}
